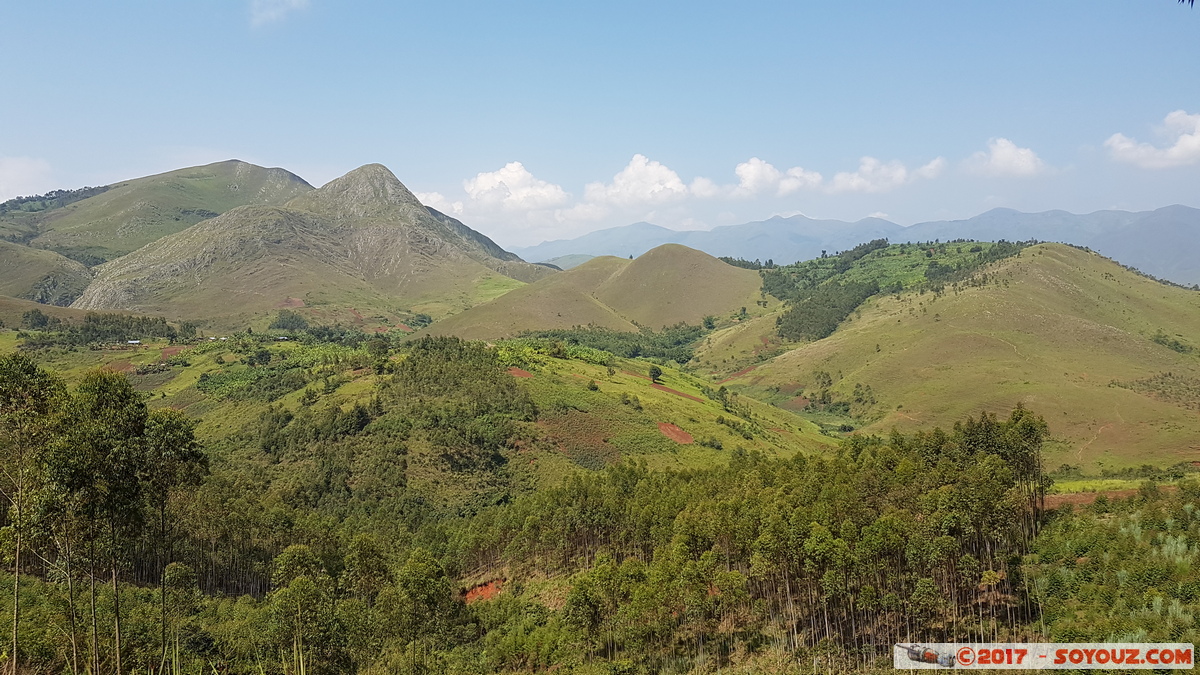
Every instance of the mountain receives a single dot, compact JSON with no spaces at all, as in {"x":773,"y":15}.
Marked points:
{"x":125,"y":216}
{"x":667,"y":285}
{"x":566,"y":262}
{"x":780,"y":239}
{"x":1164,"y":243}
{"x":362,"y":242}
{"x":41,"y":276}
{"x":1110,"y":358}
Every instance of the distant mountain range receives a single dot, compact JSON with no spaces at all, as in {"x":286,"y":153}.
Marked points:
{"x":1164,"y":242}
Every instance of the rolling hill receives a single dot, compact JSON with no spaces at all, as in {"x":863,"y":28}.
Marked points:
{"x":668,"y":285}
{"x":361,"y":243}
{"x":1110,"y":358}
{"x":128,"y":215}
{"x":41,"y":276}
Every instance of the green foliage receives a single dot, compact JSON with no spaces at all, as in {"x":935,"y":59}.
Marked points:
{"x":1172,"y":343}
{"x":96,"y":328}
{"x":51,"y":200}
{"x":676,"y":343}
{"x":288,"y":320}
{"x":748,"y":264}
{"x":1121,"y":570}
{"x":819,"y":314}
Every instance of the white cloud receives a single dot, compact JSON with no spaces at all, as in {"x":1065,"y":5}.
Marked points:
{"x":757,"y":177}
{"x":876,"y":176}
{"x":933,"y":169}
{"x":438,"y":201}
{"x":24,"y":177}
{"x":704,"y":188}
{"x":797,"y":178}
{"x":642,"y":182}
{"x":1179,"y":129}
{"x":269,"y":11}
{"x":513,"y":188}
{"x":1005,"y":158}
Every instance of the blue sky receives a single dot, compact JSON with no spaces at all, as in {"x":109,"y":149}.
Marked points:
{"x":544,"y":120}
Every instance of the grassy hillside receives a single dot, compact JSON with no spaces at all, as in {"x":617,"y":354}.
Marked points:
{"x":41,"y":276}
{"x":361,"y":245}
{"x":594,"y":410}
{"x":12,"y":309}
{"x":667,"y":285}
{"x":1111,"y":359}
{"x":133,"y":213}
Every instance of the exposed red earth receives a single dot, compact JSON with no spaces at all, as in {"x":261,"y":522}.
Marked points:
{"x":485,"y":591}
{"x":517,"y":372}
{"x":675,"y":433}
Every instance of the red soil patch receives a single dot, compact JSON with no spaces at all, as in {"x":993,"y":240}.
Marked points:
{"x":484,"y":591}
{"x":677,"y":393}
{"x":168,"y":352}
{"x":734,"y":376}
{"x":517,"y":372}
{"x":290,"y":303}
{"x":381,"y":329}
{"x":1085,"y":498}
{"x":675,"y":433}
{"x":797,"y":403}
{"x":121,"y":366}
{"x":404,"y":327}
{"x":644,"y":377}
{"x":358,"y":318}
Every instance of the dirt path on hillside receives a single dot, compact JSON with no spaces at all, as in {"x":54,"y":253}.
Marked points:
{"x":677,"y":393}
{"x":675,"y":433}
{"x":734,"y":376}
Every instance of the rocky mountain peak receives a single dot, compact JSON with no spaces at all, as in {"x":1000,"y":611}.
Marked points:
{"x":369,"y":191}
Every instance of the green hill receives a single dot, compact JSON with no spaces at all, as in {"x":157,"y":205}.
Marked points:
{"x":128,"y":215}
{"x":667,"y":285}
{"x":41,"y":276}
{"x":1110,"y":358}
{"x":362,"y":243}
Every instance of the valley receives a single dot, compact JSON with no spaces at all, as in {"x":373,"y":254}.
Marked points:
{"x":292,"y":429}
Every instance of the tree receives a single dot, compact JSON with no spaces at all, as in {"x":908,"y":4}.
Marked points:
{"x":655,"y":373}
{"x":173,"y":459}
{"x":96,"y":464}
{"x":29,"y":396}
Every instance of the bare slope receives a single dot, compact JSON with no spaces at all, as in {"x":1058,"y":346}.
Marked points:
{"x":1068,"y":333}
{"x":134,"y":213}
{"x":361,"y":242}
{"x":667,"y":285}
{"x":560,"y":301}
{"x":41,"y":276}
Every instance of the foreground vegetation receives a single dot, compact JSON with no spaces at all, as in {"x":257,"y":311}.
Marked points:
{"x":305,"y":542}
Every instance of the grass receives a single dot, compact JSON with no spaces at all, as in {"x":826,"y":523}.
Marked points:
{"x":139,"y":211}
{"x":665,"y":286}
{"x":1051,"y":329}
